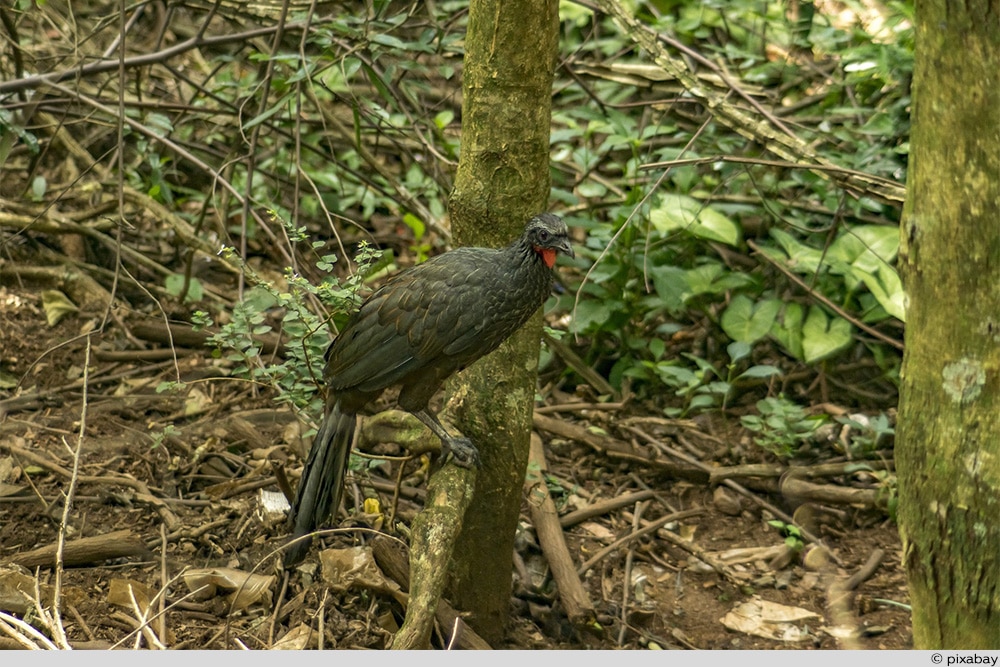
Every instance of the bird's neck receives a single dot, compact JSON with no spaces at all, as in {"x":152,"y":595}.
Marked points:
{"x":531,"y":255}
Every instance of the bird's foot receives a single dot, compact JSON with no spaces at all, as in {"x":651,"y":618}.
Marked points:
{"x":461,"y":451}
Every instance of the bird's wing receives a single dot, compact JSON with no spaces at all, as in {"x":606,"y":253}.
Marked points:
{"x":418,"y":316}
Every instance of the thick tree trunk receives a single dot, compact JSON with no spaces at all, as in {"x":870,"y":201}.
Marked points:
{"x":502,"y":179}
{"x":948,"y":441}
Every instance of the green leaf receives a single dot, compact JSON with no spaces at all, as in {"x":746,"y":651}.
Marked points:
{"x":738,"y":350}
{"x":799,"y":258}
{"x":380,"y":86}
{"x":280,"y":105}
{"x":701,"y":402}
{"x":671,"y":286}
{"x":169,"y":385}
{"x":38,"y":187}
{"x":415,"y":224}
{"x":822,"y":336}
{"x":174,"y":283}
{"x":748,"y":322}
{"x":887,"y":289}
{"x":591,"y":189}
{"x":866,"y":247}
{"x":444,"y":118}
{"x":196,"y":291}
{"x":159,"y":124}
{"x":713,"y":278}
{"x":677,"y":377}
{"x":787,"y":329}
{"x":590,"y":315}
{"x":259,"y":299}
{"x":869,"y":251}
{"x":681,"y":213}
{"x":760,"y":372}
{"x":389,"y":40}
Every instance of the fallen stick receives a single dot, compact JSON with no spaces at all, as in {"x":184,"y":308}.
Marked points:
{"x":576,"y":602}
{"x":86,"y":550}
{"x":773,"y":470}
{"x":799,"y":491}
{"x":183,"y":335}
{"x":604,"y":507}
{"x":616,"y":449}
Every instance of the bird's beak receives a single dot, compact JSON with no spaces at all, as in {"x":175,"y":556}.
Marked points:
{"x":566,"y":248}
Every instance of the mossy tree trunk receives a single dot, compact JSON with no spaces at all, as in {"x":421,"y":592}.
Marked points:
{"x":948,"y":436}
{"x":502,"y":179}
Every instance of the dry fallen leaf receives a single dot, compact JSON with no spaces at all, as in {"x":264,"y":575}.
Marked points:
{"x":343,"y":568}
{"x":770,"y":620}
{"x":245,"y":589}
{"x":121,"y":592}
{"x":57,"y":306}
{"x":295,"y":639}
{"x":17,"y":591}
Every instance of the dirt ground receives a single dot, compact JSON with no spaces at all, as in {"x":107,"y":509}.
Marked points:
{"x":178,"y":481}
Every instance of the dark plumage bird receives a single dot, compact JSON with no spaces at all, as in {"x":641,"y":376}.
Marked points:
{"x":422,"y":325}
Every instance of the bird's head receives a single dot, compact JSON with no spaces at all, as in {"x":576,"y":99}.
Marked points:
{"x":547,"y":234}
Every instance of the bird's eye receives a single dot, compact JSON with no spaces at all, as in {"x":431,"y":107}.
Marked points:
{"x":543,"y":236}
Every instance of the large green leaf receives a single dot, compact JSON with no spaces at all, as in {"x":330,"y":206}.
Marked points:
{"x":887,"y":289}
{"x":714,"y":278}
{"x":868,"y":252}
{"x":590,"y":315}
{"x":823,"y":336}
{"x":787,"y":329}
{"x":867,"y":247}
{"x":747,"y":321}
{"x":800,"y":258}
{"x":671,"y":286}
{"x":862,"y":255}
{"x":681,"y":213}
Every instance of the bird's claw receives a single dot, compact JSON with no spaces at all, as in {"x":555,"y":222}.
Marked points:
{"x":461,"y":451}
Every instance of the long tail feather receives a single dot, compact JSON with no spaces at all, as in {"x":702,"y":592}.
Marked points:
{"x":322,"y":480}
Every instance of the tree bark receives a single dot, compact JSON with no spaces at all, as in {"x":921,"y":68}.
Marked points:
{"x":948,"y":436}
{"x":502,"y":179}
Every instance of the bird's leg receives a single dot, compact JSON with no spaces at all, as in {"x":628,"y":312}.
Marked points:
{"x":459,"y":448}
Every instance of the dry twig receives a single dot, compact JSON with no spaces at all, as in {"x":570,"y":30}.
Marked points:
{"x":578,"y":605}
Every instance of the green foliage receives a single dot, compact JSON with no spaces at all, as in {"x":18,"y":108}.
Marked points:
{"x":744,"y":249}
{"x":674,"y":213}
{"x":168,"y":431}
{"x":288,"y":311}
{"x":888,"y":492}
{"x":867,"y":434}
{"x":11,"y":131}
{"x":782,"y":426}
{"x":704,"y":387}
{"x":175,"y":286}
{"x":169,"y":385}
{"x":791,"y":533}
{"x":200,"y":319}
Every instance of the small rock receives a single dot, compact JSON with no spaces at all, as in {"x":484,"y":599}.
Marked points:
{"x":726,"y":502}
{"x":783,"y":579}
